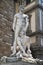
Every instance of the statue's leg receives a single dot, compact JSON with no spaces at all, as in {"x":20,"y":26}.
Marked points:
{"x":21,"y":47}
{"x":16,"y":36}
{"x":20,"y":44}
{"x":28,"y":46}
{"x":13,"y":48}
{"x":29,"y":52}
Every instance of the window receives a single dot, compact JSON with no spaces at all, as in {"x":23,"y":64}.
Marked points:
{"x":28,"y":1}
{"x":41,"y":2}
{"x":41,"y":41}
{"x":41,"y":15}
{"x":15,"y":0}
{"x":41,"y":20}
{"x":22,"y":2}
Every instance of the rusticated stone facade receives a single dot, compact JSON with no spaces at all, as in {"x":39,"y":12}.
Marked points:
{"x":6,"y":19}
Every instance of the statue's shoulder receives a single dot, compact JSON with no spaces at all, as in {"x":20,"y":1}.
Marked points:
{"x":16,"y":15}
{"x":24,"y":15}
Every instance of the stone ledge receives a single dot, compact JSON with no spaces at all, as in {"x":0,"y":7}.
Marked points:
{"x":19,"y":63}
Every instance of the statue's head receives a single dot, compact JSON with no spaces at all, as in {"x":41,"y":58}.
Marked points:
{"x":21,"y":8}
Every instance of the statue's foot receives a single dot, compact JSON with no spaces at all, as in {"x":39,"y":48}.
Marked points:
{"x":30,"y":56}
{"x":25,"y":54}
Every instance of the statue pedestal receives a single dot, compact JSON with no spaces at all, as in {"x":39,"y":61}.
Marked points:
{"x":15,"y":61}
{"x":19,"y":63}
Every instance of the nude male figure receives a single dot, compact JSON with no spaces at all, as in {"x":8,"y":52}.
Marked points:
{"x":20,"y":25}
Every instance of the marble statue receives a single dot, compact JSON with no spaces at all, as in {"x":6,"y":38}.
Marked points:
{"x":20,"y":25}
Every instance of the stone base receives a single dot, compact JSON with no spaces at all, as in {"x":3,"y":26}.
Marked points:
{"x":19,"y":63}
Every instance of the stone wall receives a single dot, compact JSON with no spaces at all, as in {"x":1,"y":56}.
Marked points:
{"x":6,"y":19}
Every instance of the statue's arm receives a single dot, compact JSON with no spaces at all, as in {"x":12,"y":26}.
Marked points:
{"x":14,"y":23}
{"x":27,"y":22}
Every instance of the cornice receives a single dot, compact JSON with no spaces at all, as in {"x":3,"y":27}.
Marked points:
{"x":32,"y":6}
